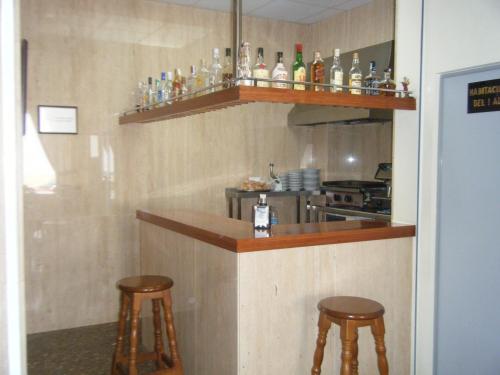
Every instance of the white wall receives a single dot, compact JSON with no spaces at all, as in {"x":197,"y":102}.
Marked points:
{"x":458,"y":34}
{"x":12,"y":334}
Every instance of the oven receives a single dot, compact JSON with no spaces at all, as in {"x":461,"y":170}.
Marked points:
{"x":319,"y":214}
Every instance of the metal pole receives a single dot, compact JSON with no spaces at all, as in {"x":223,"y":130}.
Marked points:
{"x":237,"y":15}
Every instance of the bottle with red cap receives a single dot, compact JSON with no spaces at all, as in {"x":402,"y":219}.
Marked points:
{"x":299,"y":68}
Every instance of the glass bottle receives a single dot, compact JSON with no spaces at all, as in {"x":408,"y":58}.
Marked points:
{"x":151,"y":93}
{"x":371,"y":80}
{"x":299,"y":68}
{"x":227,"y":69}
{"x":191,"y":80}
{"x":317,"y":72}
{"x":203,"y":77}
{"x":169,"y":89}
{"x":280,"y":73}
{"x":355,"y":76}
{"x":387,"y":83}
{"x":139,"y":96}
{"x":336,"y":73}
{"x":177,"y":84}
{"x":215,"y":70}
{"x":184,"y":89}
{"x":260,"y":69}
{"x":161,"y":86}
{"x":244,"y":65}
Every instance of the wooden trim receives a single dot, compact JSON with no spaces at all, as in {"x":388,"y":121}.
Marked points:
{"x":237,"y":236}
{"x":245,"y":94}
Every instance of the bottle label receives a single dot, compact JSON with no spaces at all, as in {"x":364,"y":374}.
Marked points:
{"x":261,"y":217}
{"x":318,"y":76}
{"x":299,"y":75}
{"x":280,"y":76}
{"x":261,"y":73}
{"x":354,"y":82}
{"x":338,"y":79}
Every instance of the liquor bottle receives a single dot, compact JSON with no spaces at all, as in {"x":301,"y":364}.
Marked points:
{"x":227,"y":69}
{"x":336,"y":73}
{"x":184,"y":89}
{"x":169,"y":89}
{"x":355,"y":76}
{"x":139,"y":95}
{"x":151,"y":93}
{"x":280,"y":73}
{"x":177,"y":84}
{"x":261,"y":213}
{"x":299,"y":68}
{"x":260,"y":69}
{"x":317,"y":72}
{"x":203,"y":77}
{"x":371,"y":80}
{"x":215,"y":70}
{"x":387,"y":83}
{"x":244,"y":68}
{"x":161,"y":88}
{"x":191,"y":80}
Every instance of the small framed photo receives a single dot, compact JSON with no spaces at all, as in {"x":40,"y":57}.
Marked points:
{"x":57,"y":119}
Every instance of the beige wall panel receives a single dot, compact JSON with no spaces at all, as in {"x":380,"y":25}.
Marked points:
{"x":360,"y":27}
{"x":382,"y":271}
{"x":204,"y":298}
{"x":279,"y":291}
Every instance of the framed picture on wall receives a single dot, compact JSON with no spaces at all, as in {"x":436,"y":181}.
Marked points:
{"x":57,"y":119}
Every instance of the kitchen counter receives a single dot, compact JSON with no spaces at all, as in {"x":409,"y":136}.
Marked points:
{"x":239,"y":236}
{"x":237,"y":308}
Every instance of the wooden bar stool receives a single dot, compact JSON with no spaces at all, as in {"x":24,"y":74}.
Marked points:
{"x":350,"y":313}
{"x":134,"y":290}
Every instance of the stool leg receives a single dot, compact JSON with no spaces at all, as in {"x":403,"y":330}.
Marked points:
{"x":158,"y":340}
{"x":355,"y":354}
{"x":169,"y":325}
{"x":122,"y":320}
{"x":134,"y":320}
{"x":323,"y":326}
{"x":378,"y":331}
{"x":348,"y":337}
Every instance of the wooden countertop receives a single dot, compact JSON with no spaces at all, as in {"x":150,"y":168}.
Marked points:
{"x":239,"y":236}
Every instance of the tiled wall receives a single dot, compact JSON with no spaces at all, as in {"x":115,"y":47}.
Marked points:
{"x":81,"y":191}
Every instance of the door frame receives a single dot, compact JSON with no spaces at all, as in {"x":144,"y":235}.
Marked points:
{"x":428,"y":229}
{"x":11,"y":208}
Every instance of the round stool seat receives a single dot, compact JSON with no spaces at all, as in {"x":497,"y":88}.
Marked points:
{"x":145,"y":284}
{"x":352,"y":308}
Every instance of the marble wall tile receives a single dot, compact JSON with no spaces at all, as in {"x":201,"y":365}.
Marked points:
{"x":204,"y":298}
{"x":279,"y":291}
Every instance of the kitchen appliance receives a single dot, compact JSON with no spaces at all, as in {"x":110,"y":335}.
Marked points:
{"x":354,"y":199}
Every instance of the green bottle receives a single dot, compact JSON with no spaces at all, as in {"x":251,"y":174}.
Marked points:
{"x":299,"y":68}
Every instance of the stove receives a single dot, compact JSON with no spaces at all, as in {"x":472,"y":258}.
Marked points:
{"x":356,"y":195}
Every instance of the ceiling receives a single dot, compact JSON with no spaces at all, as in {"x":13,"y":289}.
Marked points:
{"x":301,"y":11}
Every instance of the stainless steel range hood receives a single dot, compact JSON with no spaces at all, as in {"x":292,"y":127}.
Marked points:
{"x":309,"y":115}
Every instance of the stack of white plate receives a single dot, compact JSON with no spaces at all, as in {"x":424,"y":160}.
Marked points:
{"x":295,"y":180}
{"x":284,"y":181}
{"x":311,"y":179}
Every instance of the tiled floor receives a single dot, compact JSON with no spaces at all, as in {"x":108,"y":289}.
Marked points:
{"x":78,"y":351}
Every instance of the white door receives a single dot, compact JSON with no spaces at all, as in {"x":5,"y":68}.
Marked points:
{"x":467,"y":329}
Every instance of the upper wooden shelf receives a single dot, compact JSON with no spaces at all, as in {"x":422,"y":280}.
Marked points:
{"x":247,"y":94}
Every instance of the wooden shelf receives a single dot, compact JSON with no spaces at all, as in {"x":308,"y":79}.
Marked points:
{"x":248,"y":94}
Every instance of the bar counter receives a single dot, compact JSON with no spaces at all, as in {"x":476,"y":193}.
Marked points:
{"x":245,"y":305}
{"x":239,"y":236}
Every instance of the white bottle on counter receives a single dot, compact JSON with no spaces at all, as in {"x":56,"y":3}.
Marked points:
{"x":261,"y":213}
